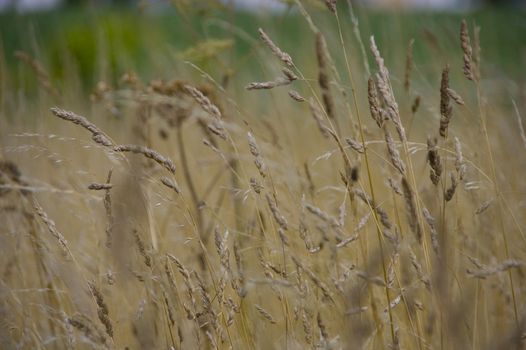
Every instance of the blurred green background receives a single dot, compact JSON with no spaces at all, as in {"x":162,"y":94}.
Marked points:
{"x":91,"y":44}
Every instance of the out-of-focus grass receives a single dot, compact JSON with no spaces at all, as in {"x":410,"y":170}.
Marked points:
{"x":101,"y":44}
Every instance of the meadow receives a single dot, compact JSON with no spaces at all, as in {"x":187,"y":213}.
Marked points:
{"x":326,"y":178}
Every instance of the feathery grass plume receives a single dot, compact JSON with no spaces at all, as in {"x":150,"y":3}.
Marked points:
{"x":446,"y":110}
{"x":283,"y":56}
{"x":283,"y":237}
{"x":289,"y":74}
{"x":460,"y":164}
{"x":331,"y":220}
{"x":455,"y":96}
{"x":306,"y":323}
{"x":40,"y":72}
{"x":256,"y":186}
{"x":212,"y":340}
{"x":189,"y":287}
{"x":203,"y":101}
{"x":355,"y":145}
{"x":169,"y":310}
{"x":148,"y":153}
{"x":205,"y":296}
{"x":465,"y":43}
{"x":221,"y":243}
{"x":327,"y":294}
{"x":486,"y":271}
{"x":450,"y":192}
{"x":374,"y":103}
{"x":434,"y":160}
{"x":102,"y":308}
{"x":416,"y":104}
{"x":280,"y":219}
{"x":384,"y":218}
{"x":483,"y":207}
{"x":396,"y":301}
{"x":301,"y":286}
{"x":254,"y":150}
{"x":211,"y":145}
{"x":265,"y":314}
{"x":317,"y":114}
{"x":262,"y":85}
{"x":268,"y":84}
{"x":142,"y":248}
{"x":180,"y":267}
{"x":216,"y":128}
{"x":383,"y":72}
{"x":419,"y":272}
{"x":391,"y":271}
{"x":432,"y":229}
{"x":408,"y":65}
{"x":395,"y":186}
{"x":394,"y":155}
{"x":171,"y":183}
{"x":168,"y":272}
{"x":347,"y":240}
{"x":296,"y":96}
{"x":69,"y":333}
{"x":411,"y":209}
{"x":52,"y":228}
{"x":232,"y":310}
{"x":97,"y":135}
{"x":384,"y":86}
{"x":86,"y":326}
{"x":323,"y":76}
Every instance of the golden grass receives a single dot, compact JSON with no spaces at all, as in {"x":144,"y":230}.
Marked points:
{"x":196,"y":220}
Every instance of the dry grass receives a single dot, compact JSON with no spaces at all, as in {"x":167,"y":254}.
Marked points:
{"x":196,"y":220}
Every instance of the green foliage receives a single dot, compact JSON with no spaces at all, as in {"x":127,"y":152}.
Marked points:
{"x":102,"y":45}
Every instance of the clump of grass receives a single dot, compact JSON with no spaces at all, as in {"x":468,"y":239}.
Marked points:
{"x":285,"y":231}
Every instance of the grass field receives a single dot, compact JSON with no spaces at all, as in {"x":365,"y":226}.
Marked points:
{"x":202,"y":178}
